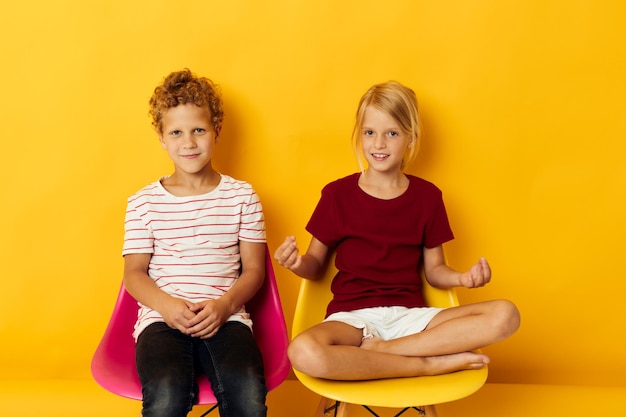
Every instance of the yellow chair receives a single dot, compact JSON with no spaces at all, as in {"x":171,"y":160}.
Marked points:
{"x":419,"y":393}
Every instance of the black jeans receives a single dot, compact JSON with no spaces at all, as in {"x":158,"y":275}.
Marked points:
{"x":168,"y":361}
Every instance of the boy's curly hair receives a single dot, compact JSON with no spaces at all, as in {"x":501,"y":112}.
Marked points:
{"x":182,"y":87}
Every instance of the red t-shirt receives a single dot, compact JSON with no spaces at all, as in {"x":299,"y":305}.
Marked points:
{"x":378,"y":242}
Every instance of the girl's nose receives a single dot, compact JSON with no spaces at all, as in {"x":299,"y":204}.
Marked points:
{"x":379,"y":142}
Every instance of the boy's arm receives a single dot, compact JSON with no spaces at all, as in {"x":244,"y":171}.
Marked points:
{"x":175,"y":311}
{"x":440,"y":275}
{"x":311,"y":265}
{"x":251,"y":277}
{"x":212,"y":314}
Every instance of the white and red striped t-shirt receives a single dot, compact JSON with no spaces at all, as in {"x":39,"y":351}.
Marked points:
{"x":194,"y":240}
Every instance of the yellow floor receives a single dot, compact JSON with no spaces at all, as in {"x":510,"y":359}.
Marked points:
{"x":86,"y":398}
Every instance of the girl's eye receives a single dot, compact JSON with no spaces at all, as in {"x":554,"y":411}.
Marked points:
{"x":392,"y":133}
{"x":368,"y":132}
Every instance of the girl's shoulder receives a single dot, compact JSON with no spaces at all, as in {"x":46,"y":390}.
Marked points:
{"x":346,"y":183}
{"x":422,"y":185}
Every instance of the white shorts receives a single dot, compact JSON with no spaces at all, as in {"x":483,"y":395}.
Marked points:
{"x":387,"y":322}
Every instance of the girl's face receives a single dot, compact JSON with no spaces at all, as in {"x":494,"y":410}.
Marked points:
{"x":189,"y":138}
{"x":384,"y":143}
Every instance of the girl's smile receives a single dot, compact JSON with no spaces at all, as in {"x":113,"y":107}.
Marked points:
{"x":384,"y":142}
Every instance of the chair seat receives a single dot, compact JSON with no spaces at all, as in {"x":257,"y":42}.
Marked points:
{"x":399,"y":392}
{"x":393,"y":392}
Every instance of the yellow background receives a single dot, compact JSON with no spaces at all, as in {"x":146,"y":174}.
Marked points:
{"x":524,"y":114}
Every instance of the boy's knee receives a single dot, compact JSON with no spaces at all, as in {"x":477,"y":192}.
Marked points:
{"x":166,"y":399}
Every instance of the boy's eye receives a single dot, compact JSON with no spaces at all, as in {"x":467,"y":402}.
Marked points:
{"x":175,"y":132}
{"x":199,"y":130}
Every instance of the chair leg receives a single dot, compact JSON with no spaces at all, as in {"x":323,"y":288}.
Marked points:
{"x":430,"y":411}
{"x":206,"y":413}
{"x":322,"y":407}
{"x":425,"y":411}
{"x":331,"y":408}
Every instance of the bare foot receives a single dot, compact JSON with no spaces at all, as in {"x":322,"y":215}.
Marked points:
{"x":372,"y":343}
{"x":444,"y":364}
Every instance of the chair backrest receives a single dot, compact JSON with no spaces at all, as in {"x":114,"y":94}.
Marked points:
{"x":113,"y":363}
{"x":314,"y":296}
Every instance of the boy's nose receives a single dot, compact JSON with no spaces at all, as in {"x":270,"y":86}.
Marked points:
{"x":188,"y":141}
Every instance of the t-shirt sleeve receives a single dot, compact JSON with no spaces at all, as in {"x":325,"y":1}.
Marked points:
{"x":323,"y":222}
{"x":438,"y":230}
{"x":252,"y":228}
{"x":138,"y":237}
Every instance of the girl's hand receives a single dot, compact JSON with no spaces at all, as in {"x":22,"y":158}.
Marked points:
{"x":288,"y":254}
{"x":478,"y":275}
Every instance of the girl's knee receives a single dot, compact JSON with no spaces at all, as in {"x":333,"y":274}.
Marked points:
{"x":506,"y":316}
{"x":299,"y":350}
{"x":307,"y":356}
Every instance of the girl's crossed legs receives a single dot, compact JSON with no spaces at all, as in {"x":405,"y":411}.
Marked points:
{"x":336,"y":350}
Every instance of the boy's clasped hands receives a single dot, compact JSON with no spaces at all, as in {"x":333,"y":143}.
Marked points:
{"x":201,"y":319}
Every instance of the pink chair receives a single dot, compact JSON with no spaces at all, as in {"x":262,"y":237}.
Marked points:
{"x":113,"y":364}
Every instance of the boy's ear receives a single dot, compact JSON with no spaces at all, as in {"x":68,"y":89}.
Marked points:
{"x":161,"y":140}
{"x":218,"y":129}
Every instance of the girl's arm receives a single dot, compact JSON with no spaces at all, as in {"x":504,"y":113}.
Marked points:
{"x":440,"y":275}
{"x":311,"y":265}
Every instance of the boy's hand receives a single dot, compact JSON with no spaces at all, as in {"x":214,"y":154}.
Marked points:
{"x":210,"y":316}
{"x":478,"y":275}
{"x":288,"y":254}
{"x":177,"y":313}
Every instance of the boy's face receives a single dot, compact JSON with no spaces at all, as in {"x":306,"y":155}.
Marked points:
{"x":188,"y":137}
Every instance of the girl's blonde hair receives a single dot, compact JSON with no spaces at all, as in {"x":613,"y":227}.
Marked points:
{"x":400,"y":103}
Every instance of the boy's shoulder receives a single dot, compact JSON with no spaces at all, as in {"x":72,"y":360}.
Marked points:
{"x":154,"y":189}
{"x":229,"y":182}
